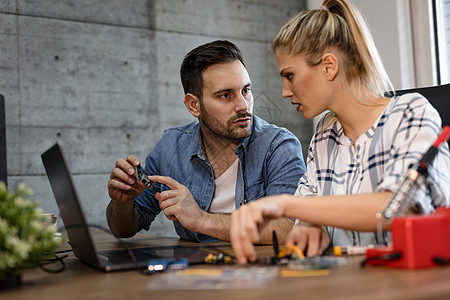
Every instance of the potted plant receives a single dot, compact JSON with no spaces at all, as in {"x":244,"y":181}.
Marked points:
{"x":26,"y":238}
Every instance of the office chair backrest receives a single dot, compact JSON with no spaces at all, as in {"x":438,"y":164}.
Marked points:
{"x":3,"y":173}
{"x":439,"y":97}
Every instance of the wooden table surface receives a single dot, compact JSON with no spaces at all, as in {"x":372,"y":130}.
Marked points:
{"x":350,"y":281}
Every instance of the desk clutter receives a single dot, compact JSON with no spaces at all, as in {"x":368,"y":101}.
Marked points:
{"x":289,"y":262}
{"x":252,"y":277}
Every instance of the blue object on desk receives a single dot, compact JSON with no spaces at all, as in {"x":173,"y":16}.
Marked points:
{"x":163,"y":264}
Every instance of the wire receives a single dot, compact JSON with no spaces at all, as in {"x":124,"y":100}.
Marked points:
{"x":382,"y":257}
{"x":50,"y":261}
{"x":64,"y":251}
{"x":119,"y":240}
{"x":74,"y":226}
{"x":442,"y":261}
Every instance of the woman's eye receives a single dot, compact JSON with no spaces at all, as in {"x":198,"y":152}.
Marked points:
{"x":288,"y":76}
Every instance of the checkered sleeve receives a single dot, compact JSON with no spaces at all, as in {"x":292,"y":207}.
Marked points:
{"x":414,"y":126}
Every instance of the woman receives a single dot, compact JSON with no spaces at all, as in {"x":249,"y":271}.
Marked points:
{"x":360,"y":149}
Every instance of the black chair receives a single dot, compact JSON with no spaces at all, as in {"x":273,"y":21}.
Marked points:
{"x":3,"y":173}
{"x":439,"y":97}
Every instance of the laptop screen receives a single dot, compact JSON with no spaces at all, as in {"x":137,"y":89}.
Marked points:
{"x":69,"y":206}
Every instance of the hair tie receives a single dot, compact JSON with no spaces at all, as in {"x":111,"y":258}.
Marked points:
{"x":324,"y":8}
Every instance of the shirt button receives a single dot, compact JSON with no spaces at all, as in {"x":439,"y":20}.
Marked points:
{"x":203,"y":206}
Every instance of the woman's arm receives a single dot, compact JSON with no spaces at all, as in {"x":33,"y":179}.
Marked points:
{"x":353,"y":212}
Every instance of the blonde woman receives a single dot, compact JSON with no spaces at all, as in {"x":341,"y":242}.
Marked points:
{"x":360,"y":149}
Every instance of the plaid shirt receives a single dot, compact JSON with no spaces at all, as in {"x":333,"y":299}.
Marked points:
{"x":377,"y":162}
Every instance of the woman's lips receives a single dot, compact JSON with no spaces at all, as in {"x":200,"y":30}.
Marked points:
{"x":299,"y":106}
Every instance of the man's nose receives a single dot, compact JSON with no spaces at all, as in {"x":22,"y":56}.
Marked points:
{"x":241,"y":103}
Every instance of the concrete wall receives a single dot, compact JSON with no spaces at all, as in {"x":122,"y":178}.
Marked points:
{"x":390,"y":24}
{"x":102,"y":78}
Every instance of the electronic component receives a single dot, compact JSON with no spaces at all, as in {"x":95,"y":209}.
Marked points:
{"x":291,"y":252}
{"x":317,"y":262}
{"x":284,"y":256}
{"x":351,"y":250}
{"x":160,"y":265}
{"x":142,"y":175}
{"x":218,"y":259}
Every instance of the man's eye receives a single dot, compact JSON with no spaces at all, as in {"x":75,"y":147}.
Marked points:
{"x":247,"y":90}
{"x":226,"y":95}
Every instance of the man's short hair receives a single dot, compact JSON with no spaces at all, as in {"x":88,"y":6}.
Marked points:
{"x":202,"y":57}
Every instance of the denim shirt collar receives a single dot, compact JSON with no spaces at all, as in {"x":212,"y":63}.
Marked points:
{"x":196,"y":147}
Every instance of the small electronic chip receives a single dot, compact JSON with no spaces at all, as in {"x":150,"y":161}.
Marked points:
{"x":142,"y":175}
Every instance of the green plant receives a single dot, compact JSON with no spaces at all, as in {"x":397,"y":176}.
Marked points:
{"x":25,"y":236}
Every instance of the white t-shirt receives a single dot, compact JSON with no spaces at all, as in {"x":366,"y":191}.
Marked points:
{"x":225,"y":189}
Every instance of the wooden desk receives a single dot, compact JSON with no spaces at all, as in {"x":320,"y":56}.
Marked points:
{"x":350,"y":281}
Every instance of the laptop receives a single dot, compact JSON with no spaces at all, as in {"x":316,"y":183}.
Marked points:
{"x":78,"y":232}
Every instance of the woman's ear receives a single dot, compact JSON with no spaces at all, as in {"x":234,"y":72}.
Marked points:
{"x":192,"y":104}
{"x":330,"y":64}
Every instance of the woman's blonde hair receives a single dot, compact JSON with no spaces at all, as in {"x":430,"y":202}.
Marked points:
{"x":339,"y":26}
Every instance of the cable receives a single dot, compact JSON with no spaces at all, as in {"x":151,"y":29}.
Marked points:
{"x":50,"y":261}
{"x":121,"y":242}
{"x":442,"y":261}
{"x":382,"y":257}
{"x":61,"y":258}
{"x":64,"y":251}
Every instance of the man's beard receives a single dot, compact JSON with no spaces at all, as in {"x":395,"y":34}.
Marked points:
{"x":229,"y":131}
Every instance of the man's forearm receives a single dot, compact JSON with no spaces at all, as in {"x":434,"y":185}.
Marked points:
{"x":122,"y":219}
{"x":218,"y":226}
{"x":282,"y":226}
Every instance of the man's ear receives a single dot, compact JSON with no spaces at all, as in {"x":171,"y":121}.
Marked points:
{"x":330,"y":64}
{"x":192,"y":104}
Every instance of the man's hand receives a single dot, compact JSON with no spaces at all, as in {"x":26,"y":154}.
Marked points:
{"x":178,"y":204}
{"x":123,"y":188}
{"x":313,"y":239}
{"x":123,"y":185}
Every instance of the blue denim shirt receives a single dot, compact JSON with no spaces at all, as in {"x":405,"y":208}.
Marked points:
{"x":270,"y":162}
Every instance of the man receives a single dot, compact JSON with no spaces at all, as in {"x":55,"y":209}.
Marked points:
{"x":211,"y":166}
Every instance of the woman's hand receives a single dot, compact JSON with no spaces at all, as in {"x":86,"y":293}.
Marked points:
{"x":310,"y":238}
{"x":247,"y":223}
